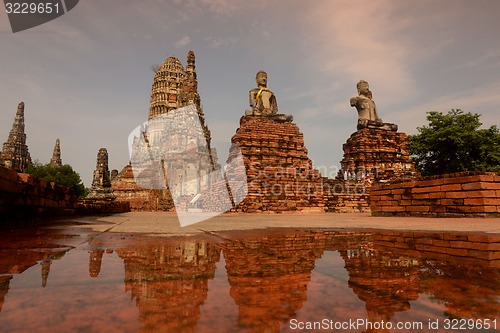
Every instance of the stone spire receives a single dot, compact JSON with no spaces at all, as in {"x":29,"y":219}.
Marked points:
{"x":101,"y":184}
{"x":56,"y":160}
{"x":175,"y":87}
{"x":167,"y":88}
{"x":15,"y":152}
{"x":191,"y":83}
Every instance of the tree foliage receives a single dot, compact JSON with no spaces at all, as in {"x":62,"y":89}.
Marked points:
{"x":64,"y":176}
{"x":453,"y":142}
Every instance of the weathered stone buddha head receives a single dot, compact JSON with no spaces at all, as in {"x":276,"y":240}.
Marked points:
{"x":363,"y":87}
{"x":261,"y":79}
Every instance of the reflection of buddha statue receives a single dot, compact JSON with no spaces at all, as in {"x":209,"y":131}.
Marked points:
{"x":367,"y":110}
{"x":263,"y":101}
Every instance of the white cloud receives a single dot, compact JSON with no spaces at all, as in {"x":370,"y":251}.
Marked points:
{"x":182,"y":42}
{"x":217,"y":42}
{"x":482,"y":100}
{"x":358,"y":40}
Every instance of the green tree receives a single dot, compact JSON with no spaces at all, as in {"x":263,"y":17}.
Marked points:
{"x":64,"y":176}
{"x":453,"y":142}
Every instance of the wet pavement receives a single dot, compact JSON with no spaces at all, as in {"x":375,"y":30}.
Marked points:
{"x":142,"y":273}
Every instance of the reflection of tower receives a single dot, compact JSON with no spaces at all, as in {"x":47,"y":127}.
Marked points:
{"x":169,"y":281}
{"x":16,"y":260}
{"x":95,"y":261}
{"x":15,"y":152}
{"x":269,"y":276}
{"x":45,"y":271}
{"x":4,"y":288}
{"x":385,"y":282}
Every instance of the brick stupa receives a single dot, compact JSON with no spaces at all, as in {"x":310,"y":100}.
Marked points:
{"x":376,"y":154}
{"x":376,"y":151}
{"x":101,"y":183}
{"x":56,"y":160}
{"x":280,"y":175}
{"x":15,"y":154}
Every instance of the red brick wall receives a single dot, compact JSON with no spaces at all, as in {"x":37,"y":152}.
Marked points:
{"x":23,"y":197}
{"x":99,"y":207}
{"x":451,"y":195}
{"x":26,"y":199}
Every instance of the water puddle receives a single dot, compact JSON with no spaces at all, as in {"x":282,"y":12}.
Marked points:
{"x":274,"y":280}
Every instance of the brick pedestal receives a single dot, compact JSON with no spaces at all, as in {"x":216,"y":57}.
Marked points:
{"x":280,"y":176}
{"x":377,"y":155}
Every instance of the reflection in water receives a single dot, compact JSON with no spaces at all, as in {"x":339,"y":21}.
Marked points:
{"x":271,"y":276}
{"x":169,"y":282}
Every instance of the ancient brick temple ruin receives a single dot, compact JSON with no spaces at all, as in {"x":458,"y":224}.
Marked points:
{"x":184,"y":151}
{"x":280,"y":176}
{"x":15,"y":154}
{"x":375,"y":154}
{"x":101,"y":183}
{"x":376,"y":151}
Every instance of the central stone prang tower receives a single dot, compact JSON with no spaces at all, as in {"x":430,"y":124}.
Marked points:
{"x":15,"y":154}
{"x":175,"y":87}
{"x":184,"y":150}
{"x":101,"y":183}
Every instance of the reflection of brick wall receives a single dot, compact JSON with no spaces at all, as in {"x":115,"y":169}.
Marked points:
{"x":451,"y":195}
{"x":476,"y":249}
{"x":445,"y":262}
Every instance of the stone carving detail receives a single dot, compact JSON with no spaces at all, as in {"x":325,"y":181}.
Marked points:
{"x":263,"y":101}
{"x":56,"y":160}
{"x":15,"y":154}
{"x":367,"y":110}
{"x":101,"y":184}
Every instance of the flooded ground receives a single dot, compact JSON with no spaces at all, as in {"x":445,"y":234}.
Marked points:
{"x":69,"y":278}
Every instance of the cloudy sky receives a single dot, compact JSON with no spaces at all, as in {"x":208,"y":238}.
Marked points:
{"x":85,"y":77}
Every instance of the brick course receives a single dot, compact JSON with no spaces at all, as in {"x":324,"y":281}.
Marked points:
{"x":451,"y":195}
{"x":26,"y":199}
